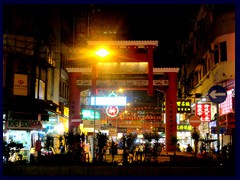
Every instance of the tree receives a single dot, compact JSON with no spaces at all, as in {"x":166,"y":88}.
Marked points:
{"x":157,"y":148}
{"x":73,"y":143}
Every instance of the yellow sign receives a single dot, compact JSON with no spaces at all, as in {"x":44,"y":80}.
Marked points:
{"x":184,"y":127}
{"x":20,"y":86}
{"x":183,"y":106}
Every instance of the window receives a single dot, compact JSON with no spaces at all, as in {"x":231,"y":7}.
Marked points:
{"x":223,"y":51}
{"x":216,"y":55}
{"x":40,"y":86}
{"x":63,"y":91}
{"x":205,"y":68}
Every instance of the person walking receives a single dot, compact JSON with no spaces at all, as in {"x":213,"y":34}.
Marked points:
{"x":136,"y":152}
{"x":141,"y":149}
{"x":62,"y":148}
{"x":113,"y":149}
{"x":38,"y":148}
{"x":178,"y":147}
{"x":189,"y":149}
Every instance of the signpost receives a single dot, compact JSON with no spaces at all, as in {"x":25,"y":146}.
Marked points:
{"x":217,"y":94}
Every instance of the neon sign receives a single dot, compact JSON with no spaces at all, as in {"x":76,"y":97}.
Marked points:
{"x":227,"y":106}
{"x":108,"y":101}
{"x":88,"y":114}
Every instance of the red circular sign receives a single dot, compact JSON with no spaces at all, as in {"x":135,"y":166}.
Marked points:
{"x":76,"y":120}
{"x":112,"y":111}
{"x":194,"y":121}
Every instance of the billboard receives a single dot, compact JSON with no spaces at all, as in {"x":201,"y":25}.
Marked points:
{"x":109,"y":101}
{"x":88,"y":114}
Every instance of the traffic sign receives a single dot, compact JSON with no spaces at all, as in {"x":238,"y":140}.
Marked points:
{"x":217,"y":94}
{"x":194,"y":121}
{"x":76,"y":120}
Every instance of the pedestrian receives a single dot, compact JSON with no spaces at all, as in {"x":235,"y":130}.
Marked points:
{"x":113,"y":149}
{"x":38,"y":148}
{"x":203,"y":148}
{"x":140,"y":150}
{"x":136,"y":152}
{"x":130,"y":156}
{"x":189,"y":149}
{"x":62,"y":148}
{"x":178,"y":147}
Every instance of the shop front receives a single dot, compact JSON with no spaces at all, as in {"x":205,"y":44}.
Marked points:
{"x":184,"y":135}
{"x":18,"y":138}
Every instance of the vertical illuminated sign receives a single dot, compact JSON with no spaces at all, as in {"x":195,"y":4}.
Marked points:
{"x":227,"y":106}
{"x":204,"y":111}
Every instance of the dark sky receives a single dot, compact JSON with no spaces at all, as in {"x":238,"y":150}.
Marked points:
{"x":162,"y":22}
{"x":151,"y":21}
{"x":166,"y":23}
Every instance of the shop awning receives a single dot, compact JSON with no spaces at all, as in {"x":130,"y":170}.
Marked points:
{"x":24,"y":108}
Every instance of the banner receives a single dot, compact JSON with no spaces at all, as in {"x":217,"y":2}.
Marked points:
{"x":20,"y":86}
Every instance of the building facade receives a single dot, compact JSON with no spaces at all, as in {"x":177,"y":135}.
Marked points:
{"x":35,"y":84}
{"x":209,"y":55}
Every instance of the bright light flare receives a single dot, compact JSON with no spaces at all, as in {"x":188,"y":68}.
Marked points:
{"x":102,"y":52}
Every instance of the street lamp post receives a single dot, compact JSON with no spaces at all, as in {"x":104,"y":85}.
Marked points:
{"x":94,"y":79}
{"x":100,"y":53}
{"x":94,"y":118}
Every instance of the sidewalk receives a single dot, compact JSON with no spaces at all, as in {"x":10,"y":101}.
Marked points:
{"x":163,"y":157}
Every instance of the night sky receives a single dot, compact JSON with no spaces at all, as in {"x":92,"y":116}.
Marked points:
{"x":170,"y":24}
{"x":167,"y":23}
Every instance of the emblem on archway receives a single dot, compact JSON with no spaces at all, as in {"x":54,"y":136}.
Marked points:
{"x":112,"y":111}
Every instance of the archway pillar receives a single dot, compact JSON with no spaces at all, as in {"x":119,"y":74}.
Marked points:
{"x":171,"y":110}
{"x":150,"y":70}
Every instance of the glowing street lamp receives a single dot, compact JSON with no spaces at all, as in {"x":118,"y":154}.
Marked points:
{"x":102,"y":52}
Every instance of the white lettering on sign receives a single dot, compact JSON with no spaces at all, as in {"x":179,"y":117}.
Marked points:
{"x":24,"y":124}
{"x":204,"y":111}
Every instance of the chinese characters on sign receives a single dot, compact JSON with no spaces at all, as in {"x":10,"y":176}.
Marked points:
{"x":204,"y":111}
{"x":112,"y":111}
{"x":121,"y":130}
{"x":184,"y":127}
{"x":171,"y":119}
{"x":183,"y":106}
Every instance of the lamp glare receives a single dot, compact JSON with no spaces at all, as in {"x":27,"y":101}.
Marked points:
{"x":102,"y":52}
